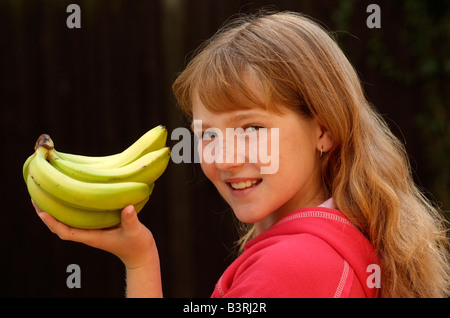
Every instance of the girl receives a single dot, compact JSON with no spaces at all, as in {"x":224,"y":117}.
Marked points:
{"x":341,"y":216}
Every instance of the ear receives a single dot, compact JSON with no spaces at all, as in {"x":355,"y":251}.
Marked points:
{"x":325,"y":139}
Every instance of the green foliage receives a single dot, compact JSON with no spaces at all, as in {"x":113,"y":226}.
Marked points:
{"x":427,"y":38}
{"x":414,"y":52}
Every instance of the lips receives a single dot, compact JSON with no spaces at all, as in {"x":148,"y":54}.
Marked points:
{"x":243,"y":184}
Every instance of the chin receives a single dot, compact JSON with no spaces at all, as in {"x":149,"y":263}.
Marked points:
{"x":246,"y":216}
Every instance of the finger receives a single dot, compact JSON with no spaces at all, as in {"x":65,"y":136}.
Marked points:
{"x":38,"y":210}
{"x":129,"y":218}
{"x":48,"y":220}
{"x":54,"y":225}
{"x":65,"y":232}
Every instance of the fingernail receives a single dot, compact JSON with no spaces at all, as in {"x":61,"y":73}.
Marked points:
{"x":129,"y":210}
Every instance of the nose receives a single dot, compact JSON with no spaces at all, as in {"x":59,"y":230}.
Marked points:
{"x":224,"y":153}
{"x":229,"y":155}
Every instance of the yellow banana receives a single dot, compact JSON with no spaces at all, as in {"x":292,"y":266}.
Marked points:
{"x":152,"y":140}
{"x":90,"y":192}
{"x":45,"y":141}
{"x":146,"y":169}
{"x":25,"y":166}
{"x":85,"y":159}
{"x":90,"y":196}
{"x":72,"y":216}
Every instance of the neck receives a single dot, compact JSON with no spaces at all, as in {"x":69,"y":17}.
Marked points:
{"x":274,"y":217}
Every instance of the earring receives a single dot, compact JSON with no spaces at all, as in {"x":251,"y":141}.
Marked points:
{"x":321,"y":152}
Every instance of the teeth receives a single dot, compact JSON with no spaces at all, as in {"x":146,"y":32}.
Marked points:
{"x":243,"y":184}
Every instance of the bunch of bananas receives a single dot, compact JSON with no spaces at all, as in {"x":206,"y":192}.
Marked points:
{"x":90,"y":192}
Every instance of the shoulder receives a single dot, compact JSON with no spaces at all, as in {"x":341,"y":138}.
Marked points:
{"x":300,"y":254}
{"x":300,"y":265}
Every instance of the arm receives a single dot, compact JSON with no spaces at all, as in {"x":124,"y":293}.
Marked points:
{"x":131,"y":241}
{"x":145,"y":280}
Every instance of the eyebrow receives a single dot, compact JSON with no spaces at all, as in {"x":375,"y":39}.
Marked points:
{"x":237,"y":117}
{"x":247,"y":115}
{"x":192,"y":125}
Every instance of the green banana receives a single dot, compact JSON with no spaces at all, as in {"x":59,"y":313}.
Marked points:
{"x":96,"y":196}
{"x":90,"y":192}
{"x":72,"y":216}
{"x":152,"y":140}
{"x":25,"y":166}
{"x":146,"y":169}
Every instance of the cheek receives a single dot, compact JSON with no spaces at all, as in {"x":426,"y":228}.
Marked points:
{"x":264,"y":149}
{"x":209,"y":170}
{"x":297,"y":160}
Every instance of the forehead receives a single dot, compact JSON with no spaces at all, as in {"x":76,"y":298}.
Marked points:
{"x":203,"y":113}
{"x":246,"y":91}
{"x":235,"y":117}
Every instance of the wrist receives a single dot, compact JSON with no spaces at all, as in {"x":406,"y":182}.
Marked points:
{"x":143,"y":275}
{"x":141,"y":258}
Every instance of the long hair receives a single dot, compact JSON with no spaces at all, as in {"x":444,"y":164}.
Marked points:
{"x":367,"y":172}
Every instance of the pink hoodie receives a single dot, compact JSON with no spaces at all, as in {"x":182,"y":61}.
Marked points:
{"x":312,"y":252}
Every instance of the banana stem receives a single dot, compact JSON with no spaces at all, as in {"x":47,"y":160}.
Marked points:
{"x":45,"y":141}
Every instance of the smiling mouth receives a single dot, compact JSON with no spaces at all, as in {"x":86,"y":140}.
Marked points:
{"x":244,"y":184}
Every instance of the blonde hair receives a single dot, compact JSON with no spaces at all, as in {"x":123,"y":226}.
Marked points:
{"x":367,"y":171}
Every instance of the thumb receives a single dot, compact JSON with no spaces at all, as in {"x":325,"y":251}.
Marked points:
{"x":129,"y":217}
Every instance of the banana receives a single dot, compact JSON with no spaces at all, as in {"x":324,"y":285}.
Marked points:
{"x":25,"y":166}
{"x":146,"y":169}
{"x":90,"y":192}
{"x":45,"y":141}
{"x":72,"y":216}
{"x":154,"y":139}
{"x":85,"y":159}
{"x":95,"y":196}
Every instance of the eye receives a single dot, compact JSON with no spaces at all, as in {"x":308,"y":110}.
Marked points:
{"x":252,"y":128}
{"x":209,"y":134}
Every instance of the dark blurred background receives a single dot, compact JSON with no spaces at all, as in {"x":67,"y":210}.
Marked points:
{"x":97,"y":89}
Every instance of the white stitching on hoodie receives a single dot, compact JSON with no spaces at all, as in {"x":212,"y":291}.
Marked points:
{"x":342,"y":281}
{"x":315,"y":214}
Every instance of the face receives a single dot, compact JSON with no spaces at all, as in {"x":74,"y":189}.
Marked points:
{"x":254,"y":195}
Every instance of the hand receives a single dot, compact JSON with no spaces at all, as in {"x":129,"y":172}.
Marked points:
{"x":131,"y":241}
